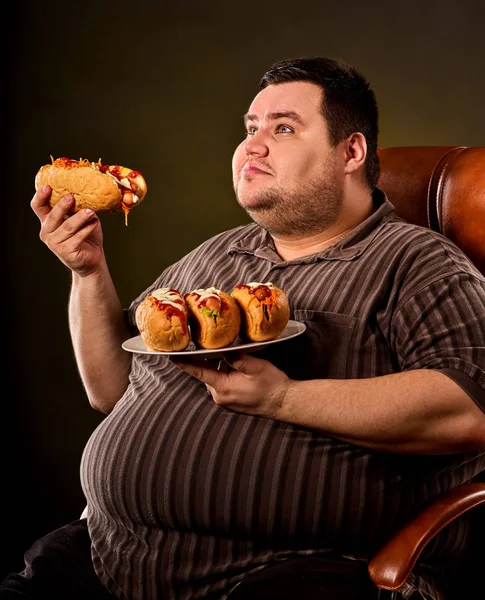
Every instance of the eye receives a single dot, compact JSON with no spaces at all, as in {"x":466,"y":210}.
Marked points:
{"x":251,"y":130}
{"x":284,"y":129}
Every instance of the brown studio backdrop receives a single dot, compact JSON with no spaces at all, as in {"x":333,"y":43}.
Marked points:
{"x":162,"y":88}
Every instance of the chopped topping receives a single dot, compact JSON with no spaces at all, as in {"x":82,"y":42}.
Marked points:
{"x":210,"y":313}
{"x":266,"y":294}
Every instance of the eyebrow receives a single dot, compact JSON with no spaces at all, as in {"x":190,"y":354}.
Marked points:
{"x":287,"y":114}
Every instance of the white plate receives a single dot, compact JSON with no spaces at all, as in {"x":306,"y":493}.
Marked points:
{"x":293,"y":329}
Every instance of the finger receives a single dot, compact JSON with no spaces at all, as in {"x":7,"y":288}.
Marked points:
{"x":40,"y":202}
{"x":58,"y":214}
{"x":223,"y":366}
{"x":73,"y":233}
{"x":65,"y":226}
{"x":209,"y":363}
{"x":243,"y":362}
{"x":208,"y":374}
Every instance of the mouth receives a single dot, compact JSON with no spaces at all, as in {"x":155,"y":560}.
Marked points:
{"x":251,"y":170}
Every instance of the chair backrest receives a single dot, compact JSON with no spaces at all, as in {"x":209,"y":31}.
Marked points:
{"x":442,"y":188}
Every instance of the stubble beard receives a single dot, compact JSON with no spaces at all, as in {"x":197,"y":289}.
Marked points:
{"x":313,"y":207}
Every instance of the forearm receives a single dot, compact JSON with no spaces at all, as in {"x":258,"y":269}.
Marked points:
{"x":422,"y":412}
{"x":98,"y":329}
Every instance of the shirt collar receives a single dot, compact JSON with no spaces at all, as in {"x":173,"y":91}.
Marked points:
{"x":259,"y":242}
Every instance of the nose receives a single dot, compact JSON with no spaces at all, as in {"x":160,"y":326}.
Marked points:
{"x":256,"y":145}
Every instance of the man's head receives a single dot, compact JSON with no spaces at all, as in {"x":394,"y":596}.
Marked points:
{"x":348,"y":103}
{"x":306,"y":146}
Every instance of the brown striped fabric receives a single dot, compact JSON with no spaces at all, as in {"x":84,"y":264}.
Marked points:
{"x":186,"y":498}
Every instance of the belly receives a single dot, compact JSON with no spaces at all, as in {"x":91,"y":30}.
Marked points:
{"x":169,"y":457}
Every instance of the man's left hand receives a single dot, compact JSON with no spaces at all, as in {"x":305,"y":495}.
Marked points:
{"x":242,"y":383}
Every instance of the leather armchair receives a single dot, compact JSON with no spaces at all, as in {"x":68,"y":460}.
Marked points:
{"x":442,"y":188}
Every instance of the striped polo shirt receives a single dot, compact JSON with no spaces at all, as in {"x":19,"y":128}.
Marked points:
{"x":186,"y":498}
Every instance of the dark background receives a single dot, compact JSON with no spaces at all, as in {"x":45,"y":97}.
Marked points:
{"x":161,"y":87}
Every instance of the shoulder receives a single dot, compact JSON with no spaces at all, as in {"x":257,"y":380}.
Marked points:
{"x":426,"y":269}
{"x":224,"y":242}
{"x":423,"y":252}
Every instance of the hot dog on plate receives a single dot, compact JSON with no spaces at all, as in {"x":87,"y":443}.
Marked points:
{"x":265,"y":310}
{"x":162,"y":320}
{"x":94,"y":185}
{"x":214,"y":317}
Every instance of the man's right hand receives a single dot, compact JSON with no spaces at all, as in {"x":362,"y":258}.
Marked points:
{"x":76,"y":240}
{"x":96,"y":318}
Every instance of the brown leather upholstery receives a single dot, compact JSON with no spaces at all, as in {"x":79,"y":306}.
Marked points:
{"x":443,"y":188}
{"x":440,"y":187}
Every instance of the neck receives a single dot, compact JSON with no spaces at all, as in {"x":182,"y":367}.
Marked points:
{"x":351,"y":215}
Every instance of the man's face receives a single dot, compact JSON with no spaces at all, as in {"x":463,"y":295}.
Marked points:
{"x":286,"y":174}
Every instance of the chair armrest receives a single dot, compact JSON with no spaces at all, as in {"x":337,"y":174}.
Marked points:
{"x":393,"y":563}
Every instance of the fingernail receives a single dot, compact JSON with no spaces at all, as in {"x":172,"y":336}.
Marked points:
{"x":88,"y":211}
{"x":67,"y":199}
{"x":45,"y":188}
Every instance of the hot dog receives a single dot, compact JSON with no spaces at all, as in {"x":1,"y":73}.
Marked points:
{"x":214,"y":317}
{"x":162,"y":319}
{"x":94,"y":185}
{"x":265,"y":310}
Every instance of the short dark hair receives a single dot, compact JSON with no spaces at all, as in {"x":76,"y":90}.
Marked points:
{"x":348,"y":105}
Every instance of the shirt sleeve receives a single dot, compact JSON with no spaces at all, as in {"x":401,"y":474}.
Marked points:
{"x":442,"y":327}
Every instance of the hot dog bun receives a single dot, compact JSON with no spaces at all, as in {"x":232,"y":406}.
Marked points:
{"x":162,"y":319}
{"x":214,"y":317}
{"x":94,"y":185}
{"x":265,"y":310}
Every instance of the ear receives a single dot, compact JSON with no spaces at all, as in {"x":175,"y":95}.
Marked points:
{"x":355,"y":152}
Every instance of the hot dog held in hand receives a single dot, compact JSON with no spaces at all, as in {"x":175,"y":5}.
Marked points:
{"x":265,"y":310}
{"x":94,"y":185}
{"x":214,"y":317}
